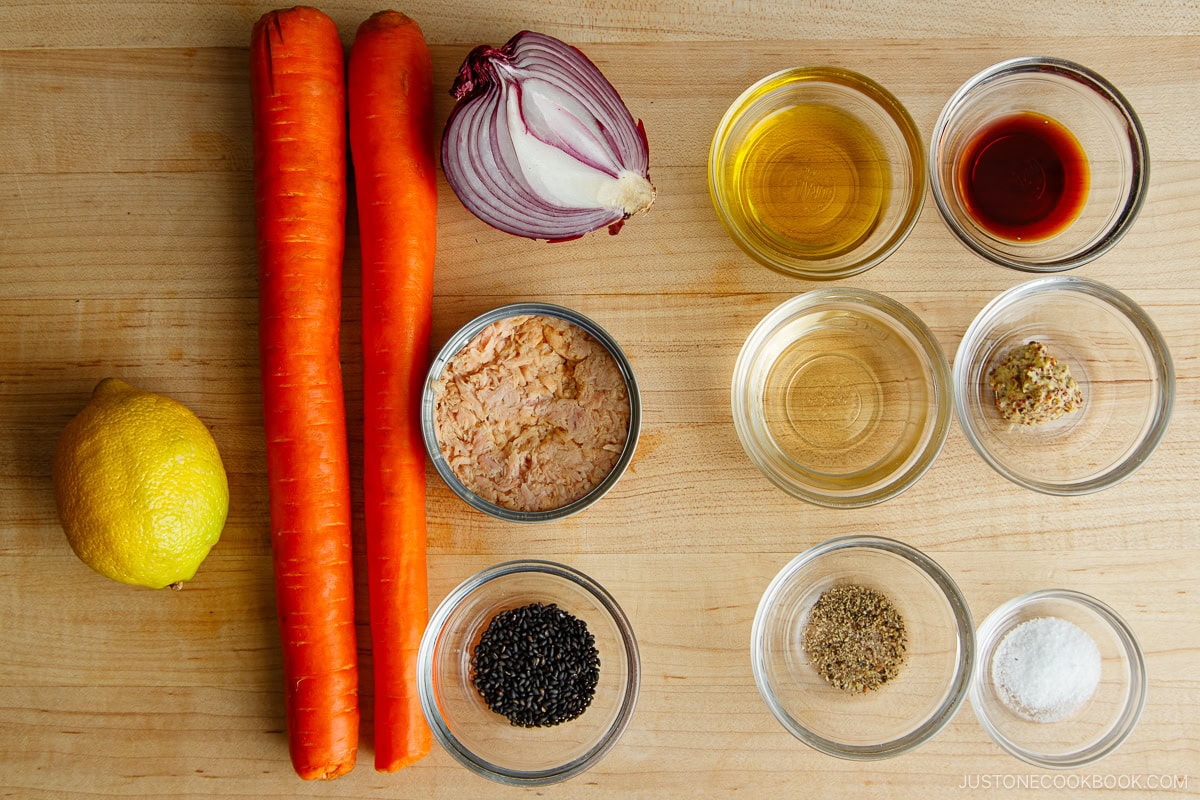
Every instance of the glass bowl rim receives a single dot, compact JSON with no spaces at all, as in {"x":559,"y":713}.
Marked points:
{"x":1139,"y":146}
{"x":1161,"y":364}
{"x":989,"y":635}
{"x":964,"y":623}
{"x":931,"y":352}
{"x":460,"y":339}
{"x":430,"y":641}
{"x":865,"y":88}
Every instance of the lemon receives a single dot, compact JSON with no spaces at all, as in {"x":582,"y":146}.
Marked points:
{"x":140,"y":488}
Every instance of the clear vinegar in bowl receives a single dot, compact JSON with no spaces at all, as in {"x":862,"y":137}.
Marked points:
{"x":841,"y":401}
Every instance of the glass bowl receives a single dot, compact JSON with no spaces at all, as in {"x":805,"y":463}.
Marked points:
{"x":460,"y":339}
{"x":1114,"y":353}
{"x":1103,"y":722}
{"x":485,"y":741}
{"x":1036,"y":205}
{"x":817,"y":172}
{"x":902,"y":713}
{"x":841,"y":397}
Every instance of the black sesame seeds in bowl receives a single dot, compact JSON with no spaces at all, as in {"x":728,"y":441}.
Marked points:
{"x":528,"y":672}
{"x":537,"y":665}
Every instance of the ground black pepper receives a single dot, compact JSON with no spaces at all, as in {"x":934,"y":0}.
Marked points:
{"x":537,"y":665}
{"x":855,"y":638}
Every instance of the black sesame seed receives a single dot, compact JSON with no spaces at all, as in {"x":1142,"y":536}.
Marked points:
{"x":537,"y":665}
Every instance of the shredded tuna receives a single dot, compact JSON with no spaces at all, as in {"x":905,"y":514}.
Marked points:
{"x":532,"y":414}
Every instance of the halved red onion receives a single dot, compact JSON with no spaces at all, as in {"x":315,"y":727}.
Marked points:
{"x":540,"y":144}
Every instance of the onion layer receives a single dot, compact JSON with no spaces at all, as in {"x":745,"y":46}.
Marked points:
{"x":540,"y":144}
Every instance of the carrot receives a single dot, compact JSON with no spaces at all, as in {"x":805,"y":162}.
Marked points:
{"x":298,"y":99}
{"x":392,"y":149}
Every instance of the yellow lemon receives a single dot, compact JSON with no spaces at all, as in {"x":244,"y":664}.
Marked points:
{"x":140,"y":487}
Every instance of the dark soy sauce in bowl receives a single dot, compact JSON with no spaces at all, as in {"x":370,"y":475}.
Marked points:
{"x":1023,"y":177}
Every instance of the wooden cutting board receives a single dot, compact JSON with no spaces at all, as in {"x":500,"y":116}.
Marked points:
{"x":127,"y":248}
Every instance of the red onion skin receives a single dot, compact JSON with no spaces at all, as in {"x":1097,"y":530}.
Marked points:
{"x":477,"y":72}
{"x":478,"y":75}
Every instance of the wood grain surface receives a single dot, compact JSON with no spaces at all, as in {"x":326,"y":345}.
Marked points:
{"x":127,"y":248}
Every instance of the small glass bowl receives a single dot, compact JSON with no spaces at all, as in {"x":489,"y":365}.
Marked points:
{"x":842,"y":397}
{"x":460,"y":339}
{"x":483,"y":740}
{"x":904,"y":712}
{"x":852,"y":160}
{"x":1115,"y":354}
{"x":1101,"y":120}
{"x":1103,"y":722}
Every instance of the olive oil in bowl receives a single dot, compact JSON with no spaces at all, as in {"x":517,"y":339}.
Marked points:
{"x":817,"y":172}
{"x":814,"y":178}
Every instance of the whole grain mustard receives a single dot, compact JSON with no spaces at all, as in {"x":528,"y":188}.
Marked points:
{"x":1031,"y":387}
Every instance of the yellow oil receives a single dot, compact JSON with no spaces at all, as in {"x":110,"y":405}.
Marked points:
{"x":844,"y":400}
{"x":812,"y":178}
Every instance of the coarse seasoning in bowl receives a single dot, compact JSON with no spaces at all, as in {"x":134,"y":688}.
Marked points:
{"x":841,"y":397}
{"x":531,"y":412}
{"x":1039,"y":164}
{"x":863,"y":647}
{"x":1061,"y":679}
{"x":1063,"y":385}
{"x":817,"y":172}
{"x":528,"y":672}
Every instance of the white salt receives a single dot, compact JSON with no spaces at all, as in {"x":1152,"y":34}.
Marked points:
{"x":1046,"y":668}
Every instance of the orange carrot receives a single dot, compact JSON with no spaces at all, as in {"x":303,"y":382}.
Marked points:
{"x":392,"y":148}
{"x":298,"y":98}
